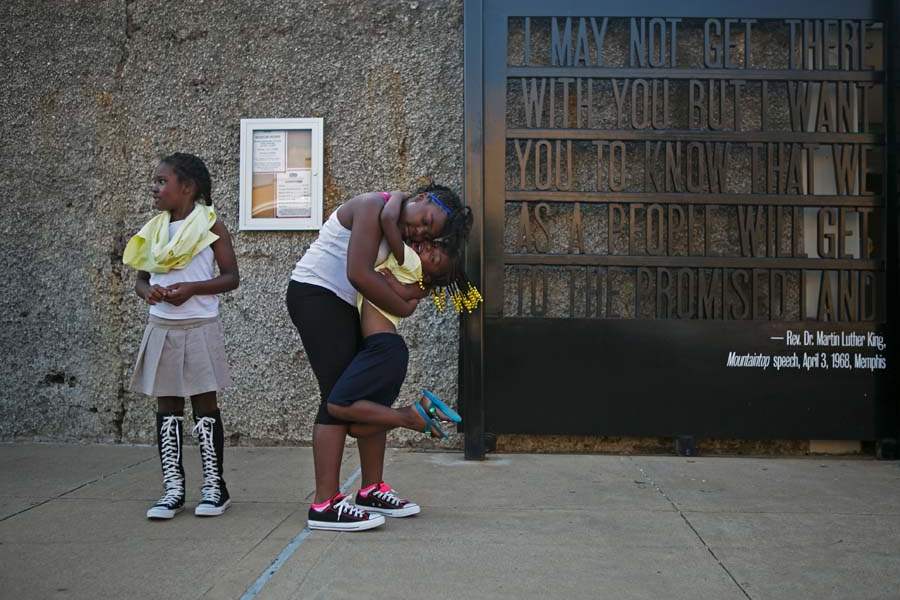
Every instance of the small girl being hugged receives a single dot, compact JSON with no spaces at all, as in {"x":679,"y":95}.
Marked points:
{"x":182,"y":353}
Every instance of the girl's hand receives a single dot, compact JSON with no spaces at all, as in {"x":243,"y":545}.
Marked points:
{"x":179,"y":293}
{"x":151,"y":294}
{"x":155,"y":294}
{"x":389,"y":277}
{"x":408,"y":291}
{"x":410,"y":308}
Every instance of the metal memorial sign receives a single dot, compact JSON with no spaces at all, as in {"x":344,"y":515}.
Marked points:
{"x":683,"y":223}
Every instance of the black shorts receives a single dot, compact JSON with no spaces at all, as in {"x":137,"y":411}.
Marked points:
{"x":329,"y":330}
{"x":376,"y":373}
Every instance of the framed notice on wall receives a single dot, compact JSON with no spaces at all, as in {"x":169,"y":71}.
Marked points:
{"x":281,"y":174}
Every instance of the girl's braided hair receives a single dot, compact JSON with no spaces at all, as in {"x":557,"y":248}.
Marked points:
{"x":454,"y":283}
{"x":192,"y":168}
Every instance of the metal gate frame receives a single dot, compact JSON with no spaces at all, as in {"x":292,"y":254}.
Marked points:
{"x":484,"y":38}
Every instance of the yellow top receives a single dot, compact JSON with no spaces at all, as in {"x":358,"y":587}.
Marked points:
{"x":409,"y":272}
{"x":151,"y":249}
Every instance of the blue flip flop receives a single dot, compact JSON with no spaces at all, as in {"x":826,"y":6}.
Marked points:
{"x":441,"y":406}
{"x":431,"y":425}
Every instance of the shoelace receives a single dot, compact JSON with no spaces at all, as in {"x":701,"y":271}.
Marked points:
{"x":204,"y":430}
{"x":344,"y":506}
{"x":170,"y":452}
{"x":388,"y":495}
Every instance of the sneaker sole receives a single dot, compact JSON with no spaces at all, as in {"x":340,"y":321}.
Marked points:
{"x":162,"y":514}
{"x":206,"y":510}
{"x":355,"y":526}
{"x":395,"y":513}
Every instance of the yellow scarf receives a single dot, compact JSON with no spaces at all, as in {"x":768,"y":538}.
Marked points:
{"x":151,"y":249}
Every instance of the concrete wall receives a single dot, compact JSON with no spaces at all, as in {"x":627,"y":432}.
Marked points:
{"x":94,"y":92}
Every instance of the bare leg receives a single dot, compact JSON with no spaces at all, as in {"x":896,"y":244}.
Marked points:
{"x":328,"y":450}
{"x":361,"y":430}
{"x":371,"y":457}
{"x":372,"y":413}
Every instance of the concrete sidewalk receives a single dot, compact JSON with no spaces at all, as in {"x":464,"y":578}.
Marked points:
{"x":515,"y":526}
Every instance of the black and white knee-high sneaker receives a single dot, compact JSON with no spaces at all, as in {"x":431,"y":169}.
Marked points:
{"x":211,"y":437}
{"x":168,"y":438}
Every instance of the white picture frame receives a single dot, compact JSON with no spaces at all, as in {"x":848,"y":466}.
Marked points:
{"x":281,"y":176}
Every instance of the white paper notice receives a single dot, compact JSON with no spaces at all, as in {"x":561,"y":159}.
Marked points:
{"x":268,"y":151}
{"x":292,"y":197}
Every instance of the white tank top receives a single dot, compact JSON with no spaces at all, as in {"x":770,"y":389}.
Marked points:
{"x":199,"y":269}
{"x":325,"y":263}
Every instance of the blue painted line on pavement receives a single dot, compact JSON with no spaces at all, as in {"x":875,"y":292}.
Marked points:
{"x":289,"y":550}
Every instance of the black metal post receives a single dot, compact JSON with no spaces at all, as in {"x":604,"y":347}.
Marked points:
{"x":886,"y":447}
{"x":471,"y":326}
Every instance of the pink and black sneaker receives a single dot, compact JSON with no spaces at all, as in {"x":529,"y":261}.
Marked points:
{"x":380,"y":498}
{"x":337,"y":514}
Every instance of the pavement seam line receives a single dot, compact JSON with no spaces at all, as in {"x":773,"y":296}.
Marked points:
{"x":289,"y":550}
{"x":76,"y":488}
{"x":690,"y":525}
{"x":320,"y":558}
{"x":265,"y":537}
{"x":255,"y":546}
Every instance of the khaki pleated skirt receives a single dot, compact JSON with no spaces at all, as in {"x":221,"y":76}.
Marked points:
{"x":181,"y":358}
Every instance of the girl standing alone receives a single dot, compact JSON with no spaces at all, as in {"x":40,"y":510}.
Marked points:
{"x":182,"y":353}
